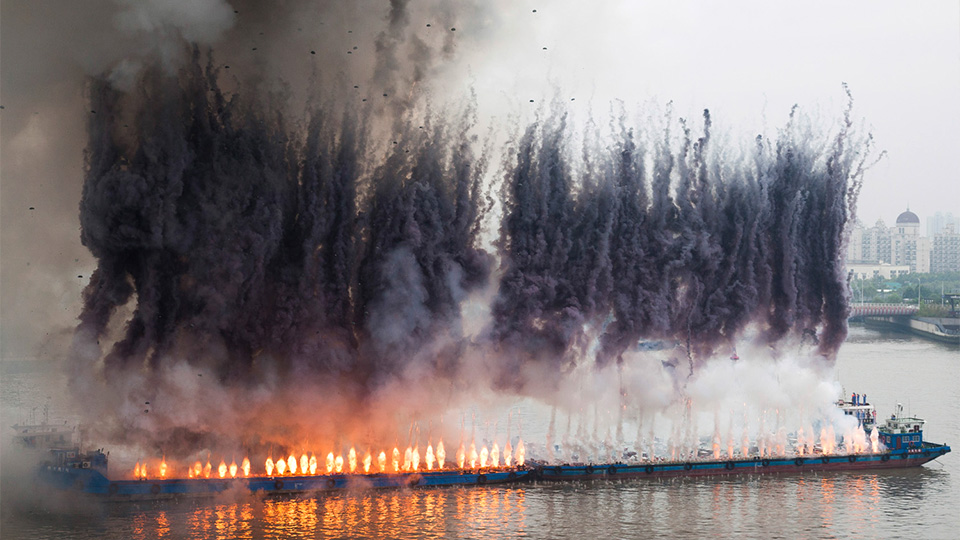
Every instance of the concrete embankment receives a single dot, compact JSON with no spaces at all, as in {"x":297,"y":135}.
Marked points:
{"x":940,"y":329}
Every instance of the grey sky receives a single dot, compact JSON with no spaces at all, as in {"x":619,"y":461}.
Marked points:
{"x":744,"y":60}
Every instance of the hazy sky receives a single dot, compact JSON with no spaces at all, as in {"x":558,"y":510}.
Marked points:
{"x":744,"y":60}
{"x":748,"y":62}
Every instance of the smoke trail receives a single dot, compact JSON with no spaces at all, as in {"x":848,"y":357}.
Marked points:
{"x":230,"y":231}
{"x":725,"y":244}
{"x":327,"y":259}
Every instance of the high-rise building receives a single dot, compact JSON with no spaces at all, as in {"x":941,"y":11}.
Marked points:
{"x":939,"y":221}
{"x":902,"y":246}
{"x":903,"y":240}
{"x":924,"y":252}
{"x":876,"y":243}
{"x":855,"y":243}
{"x":945,"y":255}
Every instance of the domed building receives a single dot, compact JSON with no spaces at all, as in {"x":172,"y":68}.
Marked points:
{"x":908,"y":223}
{"x":906,"y":246}
{"x":898,"y":250}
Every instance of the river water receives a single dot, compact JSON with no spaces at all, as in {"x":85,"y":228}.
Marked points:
{"x":908,"y":503}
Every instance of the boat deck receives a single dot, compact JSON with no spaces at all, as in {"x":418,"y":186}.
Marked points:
{"x":91,"y":481}
{"x":751,"y":465}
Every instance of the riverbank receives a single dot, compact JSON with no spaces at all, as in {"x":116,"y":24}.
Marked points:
{"x":940,"y":329}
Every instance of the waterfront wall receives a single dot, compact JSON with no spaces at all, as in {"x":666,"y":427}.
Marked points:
{"x":941,"y":329}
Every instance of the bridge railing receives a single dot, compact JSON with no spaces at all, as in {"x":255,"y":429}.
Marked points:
{"x":860,"y":310}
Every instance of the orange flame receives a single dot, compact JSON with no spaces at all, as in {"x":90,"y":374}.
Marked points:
{"x":429,"y":457}
{"x":292,"y":464}
{"x":495,"y":455}
{"x":367,"y":459}
{"x":207,"y":468}
{"x":441,"y":455}
{"x":521,"y":453}
{"x":416,"y":458}
{"x":407,"y":458}
{"x":507,"y":454}
{"x":828,"y":440}
{"x":396,"y":459}
{"x":245,"y":467}
{"x":222,"y":469}
{"x":143,"y":471}
{"x":304,"y":464}
{"x":338,"y":464}
{"x":189,"y":472}
{"x":233,"y":469}
{"x":313,"y":464}
{"x":461,"y":456}
{"x":352,"y":459}
{"x":330,"y":461}
{"x":483,"y":456}
{"x":163,"y":467}
{"x":473,"y":456}
{"x":382,"y":461}
{"x":136,"y":471}
{"x":269,"y":466}
{"x":281,"y":466}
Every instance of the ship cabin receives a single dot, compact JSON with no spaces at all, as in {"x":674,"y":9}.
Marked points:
{"x":72,"y":458}
{"x":902,"y":433}
{"x":859,"y":408}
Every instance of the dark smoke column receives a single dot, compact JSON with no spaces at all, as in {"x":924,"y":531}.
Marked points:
{"x":698,"y":250}
{"x":252,"y":248}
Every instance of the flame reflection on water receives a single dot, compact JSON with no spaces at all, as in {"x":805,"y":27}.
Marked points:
{"x":798,"y":506}
{"x":439,"y":513}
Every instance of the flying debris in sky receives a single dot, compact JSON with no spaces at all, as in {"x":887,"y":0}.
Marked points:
{"x":274,"y":243}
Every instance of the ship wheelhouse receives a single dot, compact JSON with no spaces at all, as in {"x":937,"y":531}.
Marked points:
{"x":859,"y":408}
{"x":902,"y":433}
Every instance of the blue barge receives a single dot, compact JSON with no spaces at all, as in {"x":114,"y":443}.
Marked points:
{"x":88,"y":474}
{"x":901,"y":437}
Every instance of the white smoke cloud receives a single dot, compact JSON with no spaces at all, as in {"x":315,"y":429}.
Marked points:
{"x":185,"y":394}
{"x":197,"y":21}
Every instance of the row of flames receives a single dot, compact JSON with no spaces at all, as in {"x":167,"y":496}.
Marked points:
{"x":407,"y":461}
{"x":855,"y":441}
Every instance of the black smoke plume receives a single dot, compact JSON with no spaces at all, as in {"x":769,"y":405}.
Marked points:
{"x":697,"y":250}
{"x":260,"y":247}
{"x":244,"y":244}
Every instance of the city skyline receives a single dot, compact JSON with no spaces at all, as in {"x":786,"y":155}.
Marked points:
{"x":925,"y":219}
{"x":901,"y":248}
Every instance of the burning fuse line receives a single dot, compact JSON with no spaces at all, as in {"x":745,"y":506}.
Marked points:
{"x":410,"y":460}
{"x":471,"y":456}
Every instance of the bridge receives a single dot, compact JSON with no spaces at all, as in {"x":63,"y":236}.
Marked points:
{"x":873,"y":310}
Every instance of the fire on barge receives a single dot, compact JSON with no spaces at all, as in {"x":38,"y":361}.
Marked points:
{"x":900,"y":440}
{"x":900,"y":437}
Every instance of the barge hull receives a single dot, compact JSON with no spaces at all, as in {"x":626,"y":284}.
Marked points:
{"x":92,"y":482}
{"x":780,"y":465}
